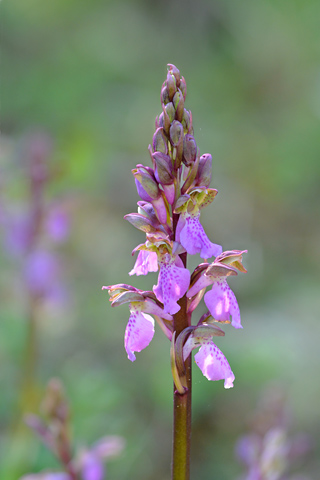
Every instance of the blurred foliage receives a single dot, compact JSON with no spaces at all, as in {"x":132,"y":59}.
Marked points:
{"x":89,"y":73}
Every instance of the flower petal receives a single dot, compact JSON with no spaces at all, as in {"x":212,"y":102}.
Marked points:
{"x":139,"y":332}
{"x":146,"y":262}
{"x":214,"y":364}
{"x":194,"y":239}
{"x":222,"y":303}
{"x":173,"y":282}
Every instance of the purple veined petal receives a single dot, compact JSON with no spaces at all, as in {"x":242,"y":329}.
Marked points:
{"x":195,"y":240}
{"x":146,"y":262}
{"x":214,"y":364}
{"x":92,"y":467}
{"x":173,"y":282}
{"x":222,"y":303}
{"x":139,"y":331}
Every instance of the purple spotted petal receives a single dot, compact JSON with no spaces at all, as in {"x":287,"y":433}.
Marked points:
{"x":146,"y":262}
{"x":222,"y":303}
{"x":194,"y":239}
{"x":139,"y":332}
{"x":173,"y":282}
{"x":214,"y":364}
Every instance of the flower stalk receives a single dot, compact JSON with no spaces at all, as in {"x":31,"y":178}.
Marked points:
{"x":173,"y":192}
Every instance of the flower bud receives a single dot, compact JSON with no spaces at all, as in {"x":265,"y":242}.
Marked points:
{"x":178,"y":103}
{"x":159,"y":141}
{"x":175,"y":72}
{"x":141,"y":222}
{"x":169,"y":109}
{"x":164,"y":95}
{"x":146,"y":184}
{"x":163,"y":170}
{"x":176,"y":133}
{"x":189,"y":150}
{"x":204,"y":171}
{"x":186,"y":120}
{"x":171,"y":85}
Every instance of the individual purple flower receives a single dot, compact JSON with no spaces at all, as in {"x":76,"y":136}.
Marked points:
{"x":220,"y":300}
{"x":190,"y":233}
{"x":173,"y":282}
{"x":140,"y":328}
{"x":146,"y":262}
{"x":139,"y":331}
{"x":209,"y":359}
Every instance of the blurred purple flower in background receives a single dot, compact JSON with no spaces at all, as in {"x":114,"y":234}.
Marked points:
{"x":269,"y":452}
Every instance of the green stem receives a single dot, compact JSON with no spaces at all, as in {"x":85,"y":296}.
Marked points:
{"x":182,"y":405}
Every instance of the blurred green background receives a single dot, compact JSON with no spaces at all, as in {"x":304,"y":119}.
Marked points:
{"x":89,"y":74}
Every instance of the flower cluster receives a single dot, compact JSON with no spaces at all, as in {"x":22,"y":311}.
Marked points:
{"x":173,"y":192}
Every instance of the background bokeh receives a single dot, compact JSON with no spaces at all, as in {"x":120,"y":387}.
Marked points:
{"x":89,"y":74}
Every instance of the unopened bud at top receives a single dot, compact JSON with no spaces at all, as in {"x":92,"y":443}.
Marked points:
{"x":175,"y":72}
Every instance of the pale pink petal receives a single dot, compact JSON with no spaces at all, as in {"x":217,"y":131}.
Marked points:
{"x":222,"y":303}
{"x":194,"y":239}
{"x":139,"y":332}
{"x":214,"y":364}
{"x":173,"y":282}
{"x":146,"y":262}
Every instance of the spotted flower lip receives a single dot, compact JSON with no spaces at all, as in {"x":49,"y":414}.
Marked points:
{"x":209,"y":359}
{"x":190,"y":233}
{"x":173,"y":282}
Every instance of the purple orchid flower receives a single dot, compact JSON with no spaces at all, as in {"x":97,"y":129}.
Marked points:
{"x":173,"y":282}
{"x":190,"y":233}
{"x":146,"y":262}
{"x":220,"y":300}
{"x":209,"y":359}
{"x":140,"y":328}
